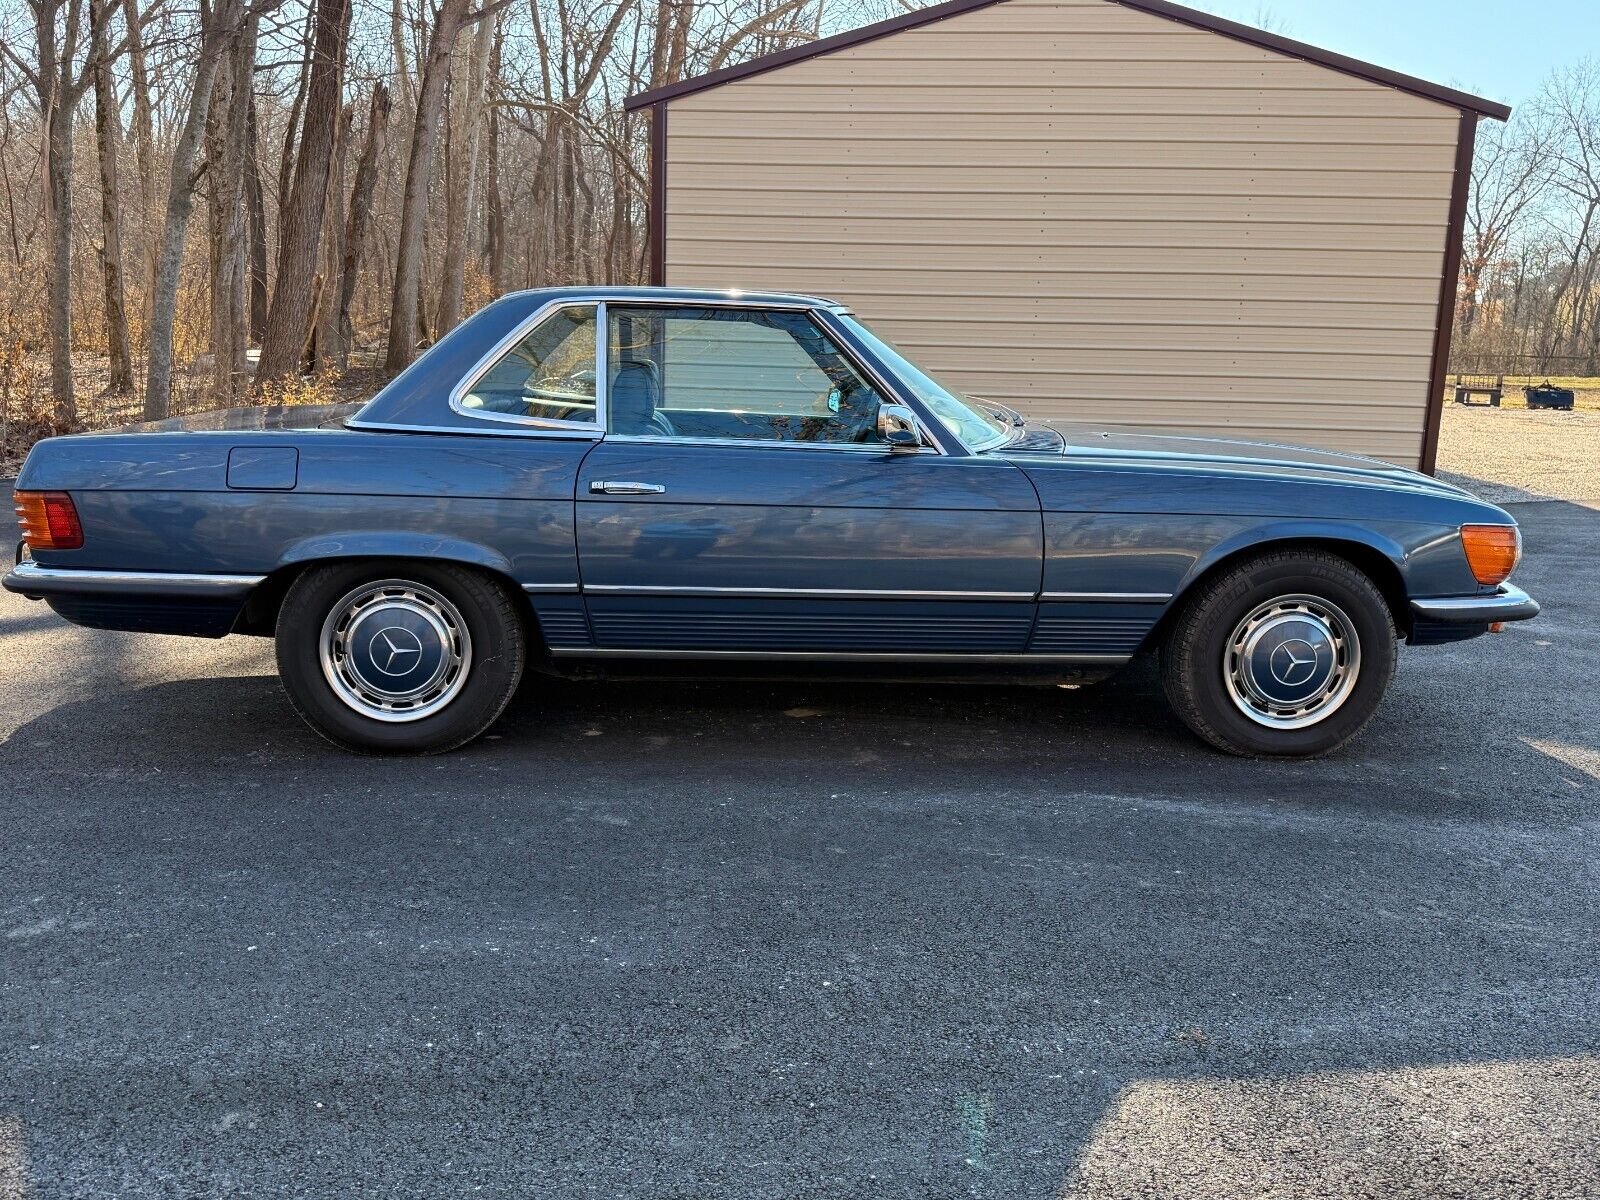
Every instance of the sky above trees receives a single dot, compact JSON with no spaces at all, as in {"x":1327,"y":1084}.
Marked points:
{"x":1489,"y":47}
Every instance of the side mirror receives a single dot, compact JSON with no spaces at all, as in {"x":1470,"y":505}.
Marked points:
{"x":899,"y":427}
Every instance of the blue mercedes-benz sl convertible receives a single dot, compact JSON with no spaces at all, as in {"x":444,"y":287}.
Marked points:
{"x":635,"y":481}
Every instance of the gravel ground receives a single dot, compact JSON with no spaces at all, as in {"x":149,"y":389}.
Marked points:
{"x":1513,"y":454}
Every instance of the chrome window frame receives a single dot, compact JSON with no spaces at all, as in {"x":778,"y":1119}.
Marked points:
{"x":929,"y":418}
{"x":886,"y":389}
{"x":533,"y":426}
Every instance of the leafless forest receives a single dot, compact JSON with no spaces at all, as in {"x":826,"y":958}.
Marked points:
{"x":328,"y":183}
{"x":259,"y":199}
{"x":1530,"y":263}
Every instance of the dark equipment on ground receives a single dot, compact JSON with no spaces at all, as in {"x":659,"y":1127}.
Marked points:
{"x":1468,"y":386}
{"x":1547,"y":395}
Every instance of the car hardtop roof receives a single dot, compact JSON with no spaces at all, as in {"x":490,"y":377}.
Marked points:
{"x":657,"y":295}
{"x":419,"y":397}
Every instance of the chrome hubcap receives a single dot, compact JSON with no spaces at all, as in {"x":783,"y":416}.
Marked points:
{"x":394,"y":650}
{"x":1292,"y":661}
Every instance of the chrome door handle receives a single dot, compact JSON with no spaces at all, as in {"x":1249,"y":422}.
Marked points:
{"x":620,"y":487}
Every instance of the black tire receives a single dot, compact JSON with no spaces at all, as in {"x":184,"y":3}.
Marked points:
{"x":1213,"y":679}
{"x":473,"y":613}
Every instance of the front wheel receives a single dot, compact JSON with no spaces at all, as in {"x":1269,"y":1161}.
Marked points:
{"x":1287,"y":655}
{"x":399,"y":658}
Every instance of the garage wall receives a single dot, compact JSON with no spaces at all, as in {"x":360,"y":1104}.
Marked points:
{"x":1090,"y":212}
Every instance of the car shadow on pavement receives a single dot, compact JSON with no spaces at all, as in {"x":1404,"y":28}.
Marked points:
{"x":773,"y":940}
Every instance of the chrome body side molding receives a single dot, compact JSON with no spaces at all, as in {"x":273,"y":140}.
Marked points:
{"x":1106,"y":597}
{"x":32,"y":579}
{"x":1106,"y":660}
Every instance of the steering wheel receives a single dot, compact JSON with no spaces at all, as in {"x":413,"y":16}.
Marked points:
{"x":659,"y":423}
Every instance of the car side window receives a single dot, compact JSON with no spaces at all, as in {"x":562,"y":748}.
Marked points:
{"x":716,"y":373}
{"x":548,"y":374}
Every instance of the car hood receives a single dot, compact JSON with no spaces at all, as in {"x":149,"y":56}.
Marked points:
{"x":1056,"y":439}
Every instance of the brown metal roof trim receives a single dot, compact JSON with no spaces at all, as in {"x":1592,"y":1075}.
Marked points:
{"x":656,"y":211}
{"x":1449,"y":291}
{"x":1172,"y":12}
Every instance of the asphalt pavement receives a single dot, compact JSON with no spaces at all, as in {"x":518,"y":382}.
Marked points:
{"x":781,"y":941}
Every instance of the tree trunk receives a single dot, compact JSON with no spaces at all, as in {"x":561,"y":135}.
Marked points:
{"x":403,"y":309}
{"x":325,"y":340}
{"x":300,"y":225}
{"x":144,"y":138}
{"x":461,"y":187}
{"x":226,"y":144}
{"x":256,"y":210}
{"x":494,"y":243}
{"x":355,"y":234}
{"x":58,"y":102}
{"x":224,"y":20}
{"x":108,"y":137}
{"x":286,"y":158}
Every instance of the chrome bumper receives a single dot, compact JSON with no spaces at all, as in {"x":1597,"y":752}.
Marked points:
{"x":38,"y":582}
{"x":1507,"y":603}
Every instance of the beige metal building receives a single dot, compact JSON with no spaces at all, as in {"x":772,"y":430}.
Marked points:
{"x":1117,"y":211}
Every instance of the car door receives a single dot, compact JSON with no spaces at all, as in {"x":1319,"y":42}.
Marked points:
{"x":742,"y":504}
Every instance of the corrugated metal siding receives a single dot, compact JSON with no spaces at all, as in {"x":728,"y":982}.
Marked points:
{"x":1093,"y":213}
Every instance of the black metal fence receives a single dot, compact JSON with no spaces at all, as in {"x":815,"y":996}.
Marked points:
{"x":1524,"y":368}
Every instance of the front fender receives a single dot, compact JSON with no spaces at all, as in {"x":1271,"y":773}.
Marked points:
{"x":394,"y":544}
{"x":1267,"y":534}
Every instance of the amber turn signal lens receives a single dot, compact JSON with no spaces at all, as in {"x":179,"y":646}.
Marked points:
{"x":49,"y":520}
{"x":1492,"y":551}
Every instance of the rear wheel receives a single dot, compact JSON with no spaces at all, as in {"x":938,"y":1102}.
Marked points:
{"x":401,"y":657}
{"x":1286,"y":654}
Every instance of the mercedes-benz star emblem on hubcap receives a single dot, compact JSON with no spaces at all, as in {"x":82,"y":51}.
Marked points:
{"x":1294,"y":662}
{"x":392,"y":650}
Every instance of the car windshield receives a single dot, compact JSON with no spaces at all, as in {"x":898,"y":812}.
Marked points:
{"x":976,"y":426}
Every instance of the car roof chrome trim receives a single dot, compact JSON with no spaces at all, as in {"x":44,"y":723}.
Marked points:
{"x":665,"y":299}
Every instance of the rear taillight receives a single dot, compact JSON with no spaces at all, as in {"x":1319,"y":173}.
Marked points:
{"x":49,"y":520}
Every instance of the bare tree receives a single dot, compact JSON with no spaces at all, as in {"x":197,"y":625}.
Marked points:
{"x":451,"y":17}
{"x":300,"y":225}
{"x":108,"y":142}
{"x":467,"y":108}
{"x":1571,"y":102}
{"x":60,"y":73}
{"x":355,"y":234}
{"x":1509,"y":171}
{"x":226,"y":147}
{"x":220,"y":22}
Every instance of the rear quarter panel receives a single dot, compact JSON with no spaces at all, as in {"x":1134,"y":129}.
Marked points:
{"x":161,"y":502}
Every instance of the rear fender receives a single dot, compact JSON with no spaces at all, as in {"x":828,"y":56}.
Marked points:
{"x":394,"y":544}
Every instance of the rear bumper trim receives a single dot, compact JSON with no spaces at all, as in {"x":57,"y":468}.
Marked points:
{"x":39,"y":582}
{"x":1506,"y":604}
